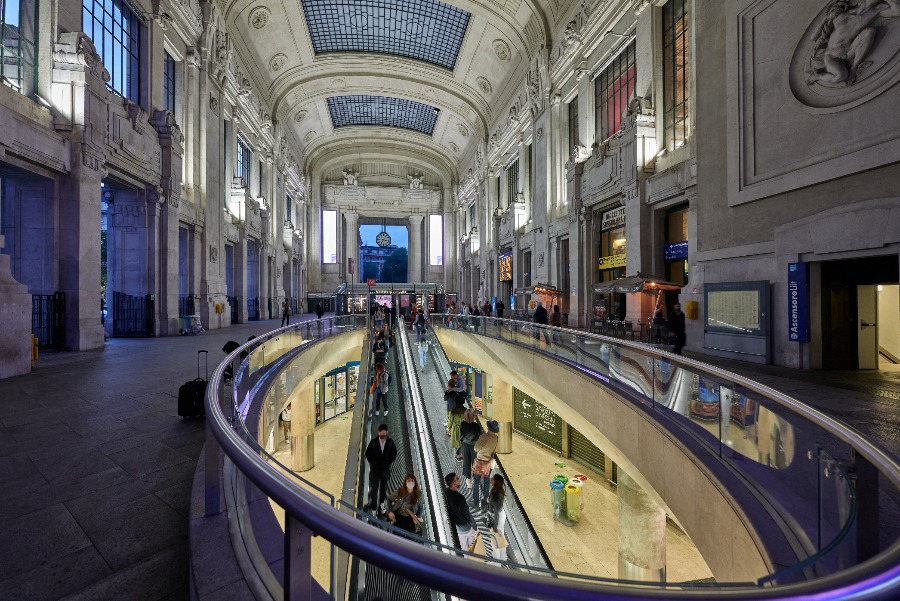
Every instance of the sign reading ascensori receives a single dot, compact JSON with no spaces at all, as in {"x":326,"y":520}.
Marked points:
{"x":798,"y":302}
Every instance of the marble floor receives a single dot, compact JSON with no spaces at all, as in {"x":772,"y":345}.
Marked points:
{"x":328,"y":474}
{"x":591,"y":546}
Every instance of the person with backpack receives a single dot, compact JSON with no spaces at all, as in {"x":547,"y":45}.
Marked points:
{"x":285,"y":418}
{"x":380,"y":386}
{"x":420,"y":324}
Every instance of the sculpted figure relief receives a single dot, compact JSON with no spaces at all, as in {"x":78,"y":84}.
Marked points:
{"x":415,"y":181}
{"x":845,"y":38}
{"x":349,"y":177}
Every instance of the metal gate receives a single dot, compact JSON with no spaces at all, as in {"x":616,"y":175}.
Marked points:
{"x":132,"y":315}
{"x":585,"y":452}
{"x":253,"y":309}
{"x":186,"y":305}
{"x":234,"y":302}
{"x":48,"y":319}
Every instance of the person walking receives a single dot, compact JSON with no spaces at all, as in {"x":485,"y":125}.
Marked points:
{"x":320,"y":311}
{"x":677,"y":328}
{"x":380,"y":386}
{"x":541,"y":318}
{"x":285,"y":419}
{"x":380,"y":348}
{"x":420,"y":324}
{"x":379,"y":318}
{"x":458,"y":510}
{"x":485,"y":452}
{"x":469,"y":431}
{"x":285,"y":313}
{"x":380,"y":454}
{"x":500,"y":308}
{"x":422,"y":344}
{"x":496,"y":513}
{"x":454,"y":421}
{"x":405,"y":507}
{"x":556,"y":322}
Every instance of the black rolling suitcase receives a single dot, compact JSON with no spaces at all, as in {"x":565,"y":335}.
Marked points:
{"x":192,"y":393}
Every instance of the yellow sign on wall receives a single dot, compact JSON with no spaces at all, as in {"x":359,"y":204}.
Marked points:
{"x":612,"y":261}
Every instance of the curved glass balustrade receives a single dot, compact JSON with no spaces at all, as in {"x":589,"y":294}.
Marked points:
{"x":792,"y":457}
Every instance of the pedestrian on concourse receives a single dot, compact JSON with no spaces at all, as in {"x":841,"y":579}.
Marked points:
{"x":285,"y":313}
{"x":380,"y":454}
{"x":485,"y":453}
{"x":320,"y":311}
{"x":458,"y":509}
{"x":286,"y":422}
{"x":469,"y":431}
{"x":500,"y":308}
{"x":677,"y":328}
{"x":556,"y":322}
{"x":541,"y":318}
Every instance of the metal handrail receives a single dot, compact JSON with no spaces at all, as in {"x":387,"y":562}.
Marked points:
{"x":877,"y":578}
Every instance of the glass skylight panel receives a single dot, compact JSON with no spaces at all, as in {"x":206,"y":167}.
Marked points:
{"x":425,"y":30}
{"x":381,"y":110}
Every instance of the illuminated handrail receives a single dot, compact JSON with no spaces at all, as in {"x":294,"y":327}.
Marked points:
{"x":877,"y":578}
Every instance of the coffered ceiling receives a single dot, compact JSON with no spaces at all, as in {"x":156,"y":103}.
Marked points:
{"x":409,"y":81}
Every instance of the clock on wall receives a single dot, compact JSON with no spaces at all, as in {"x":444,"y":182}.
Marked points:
{"x":383,"y":239}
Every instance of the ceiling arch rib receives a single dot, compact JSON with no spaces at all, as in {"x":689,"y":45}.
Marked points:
{"x":349,"y":148}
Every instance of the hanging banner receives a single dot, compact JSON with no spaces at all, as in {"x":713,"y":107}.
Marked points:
{"x":798,"y":302}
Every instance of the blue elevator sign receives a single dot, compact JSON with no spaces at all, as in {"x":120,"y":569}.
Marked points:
{"x":798,"y":302}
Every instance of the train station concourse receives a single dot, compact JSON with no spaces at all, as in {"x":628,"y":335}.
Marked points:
{"x":621,"y":278}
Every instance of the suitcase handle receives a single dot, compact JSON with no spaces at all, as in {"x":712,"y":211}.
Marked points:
{"x":205,"y":356}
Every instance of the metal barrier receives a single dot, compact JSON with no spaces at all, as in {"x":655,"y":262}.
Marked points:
{"x":132,"y":315}
{"x":643,"y":370}
{"x":48,"y":319}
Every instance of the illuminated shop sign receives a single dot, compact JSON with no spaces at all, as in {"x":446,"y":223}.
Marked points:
{"x":613,"y":219}
{"x":505,"y":261}
{"x":676,"y":250}
{"x":612,"y":262}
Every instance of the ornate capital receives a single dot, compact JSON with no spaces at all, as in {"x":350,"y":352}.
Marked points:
{"x":75,"y":48}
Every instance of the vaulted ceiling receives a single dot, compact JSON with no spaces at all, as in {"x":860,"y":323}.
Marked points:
{"x":414,"y":82}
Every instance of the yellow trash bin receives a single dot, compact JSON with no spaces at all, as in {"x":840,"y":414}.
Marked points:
{"x":573,"y":502}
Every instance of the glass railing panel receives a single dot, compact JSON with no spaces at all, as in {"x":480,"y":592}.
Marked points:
{"x":633,"y":368}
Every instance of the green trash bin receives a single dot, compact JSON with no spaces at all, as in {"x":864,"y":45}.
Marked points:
{"x":573,"y":502}
{"x":561,"y":478}
{"x":557,"y":498}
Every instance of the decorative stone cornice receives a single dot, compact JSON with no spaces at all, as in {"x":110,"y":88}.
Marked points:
{"x":75,"y":48}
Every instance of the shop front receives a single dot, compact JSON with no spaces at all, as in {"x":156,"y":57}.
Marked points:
{"x":610,"y":305}
{"x":336,"y":392}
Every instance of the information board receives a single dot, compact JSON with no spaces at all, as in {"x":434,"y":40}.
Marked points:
{"x":739,"y":308}
{"x":537,"y":421}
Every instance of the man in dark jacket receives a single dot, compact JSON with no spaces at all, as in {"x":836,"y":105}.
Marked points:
{"x":380,"y":454}
{"x":540,"y":317}
{"x":676,"y":328}
{"x":458,"y":509}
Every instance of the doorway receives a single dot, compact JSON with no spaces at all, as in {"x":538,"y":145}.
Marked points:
{"x":859,"y":313}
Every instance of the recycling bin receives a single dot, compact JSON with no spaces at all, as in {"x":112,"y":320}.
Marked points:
{"x":579,"y":480}
{"x":557,"y":497}
{"x":573,"y":502}
{"x":561,"y":478}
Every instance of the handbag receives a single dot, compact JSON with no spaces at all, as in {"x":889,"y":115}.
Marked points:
{"x":481,"y":467}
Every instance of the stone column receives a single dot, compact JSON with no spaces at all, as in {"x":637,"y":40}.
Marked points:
{"x":502,"y":408}
{"x":15,"y":314}
{"x":642,"y":534}
{"x":351,"y":248}
{"x":303,"y":426}
{"x":451,"y":242}
{"x":415,"y":248}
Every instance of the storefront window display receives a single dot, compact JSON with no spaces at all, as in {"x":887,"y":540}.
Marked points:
{"x":336,"y":392}
{"x":676,"y":245}
{"x":611,"y":262}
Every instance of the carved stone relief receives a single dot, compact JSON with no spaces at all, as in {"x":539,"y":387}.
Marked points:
{"x":848,"y":54}
{"x":278,"y":62}
{"x":462,"y":130}
{"x":501,"y":49}
{"x":213,"y":253}
{"x":452,"y":146}
{"x":300,"y":116}
{"x":484,"y":85}
{"x":259,"y":17}
{"x":309,"y":136}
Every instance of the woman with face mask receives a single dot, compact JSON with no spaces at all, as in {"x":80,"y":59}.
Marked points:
{"x":406,"y":509}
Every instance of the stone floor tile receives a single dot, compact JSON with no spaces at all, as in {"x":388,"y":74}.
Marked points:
{"x":55,"y":579}
{"x":37,"y":538}
{"x":148,"y":458}
{"x":69,"y":466}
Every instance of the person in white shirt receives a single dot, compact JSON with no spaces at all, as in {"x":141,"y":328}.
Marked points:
{"x":286,"y":422}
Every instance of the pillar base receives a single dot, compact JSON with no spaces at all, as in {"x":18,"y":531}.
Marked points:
{"x":504,"y":442}
{"x":303,"y":452}
{"x":631,"y":571}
